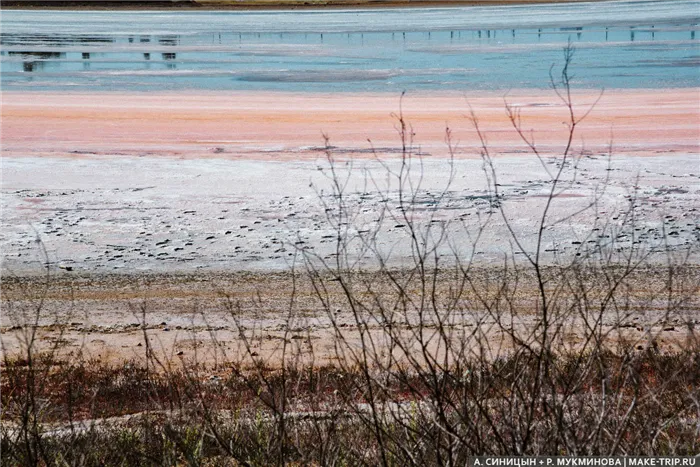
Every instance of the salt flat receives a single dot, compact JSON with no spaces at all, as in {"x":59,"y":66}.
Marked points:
{"x":237,"y":182}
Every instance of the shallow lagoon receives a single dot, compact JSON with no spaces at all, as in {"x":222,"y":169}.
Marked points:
{"x":619,"y":45}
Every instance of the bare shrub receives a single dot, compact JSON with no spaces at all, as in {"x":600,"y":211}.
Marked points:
{"x":532,"y":357}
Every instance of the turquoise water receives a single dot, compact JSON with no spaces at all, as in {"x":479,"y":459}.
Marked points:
{"x":640,"y":44}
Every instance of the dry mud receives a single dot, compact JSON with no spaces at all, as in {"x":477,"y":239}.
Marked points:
{"x":124,"y":183}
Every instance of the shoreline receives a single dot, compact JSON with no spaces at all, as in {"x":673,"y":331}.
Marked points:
{"x":523,"y":91}
{"x":258,"y":5}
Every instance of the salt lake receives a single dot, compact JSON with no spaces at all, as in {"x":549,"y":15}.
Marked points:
{"x":621,"y":44}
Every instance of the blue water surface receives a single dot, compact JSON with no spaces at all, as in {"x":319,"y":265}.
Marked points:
{"x":620,"y":44}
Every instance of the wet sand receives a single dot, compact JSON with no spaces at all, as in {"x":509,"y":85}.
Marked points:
{"x":278,"y":126}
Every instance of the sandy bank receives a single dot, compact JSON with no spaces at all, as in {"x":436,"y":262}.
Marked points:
{"x":191,"y":317}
